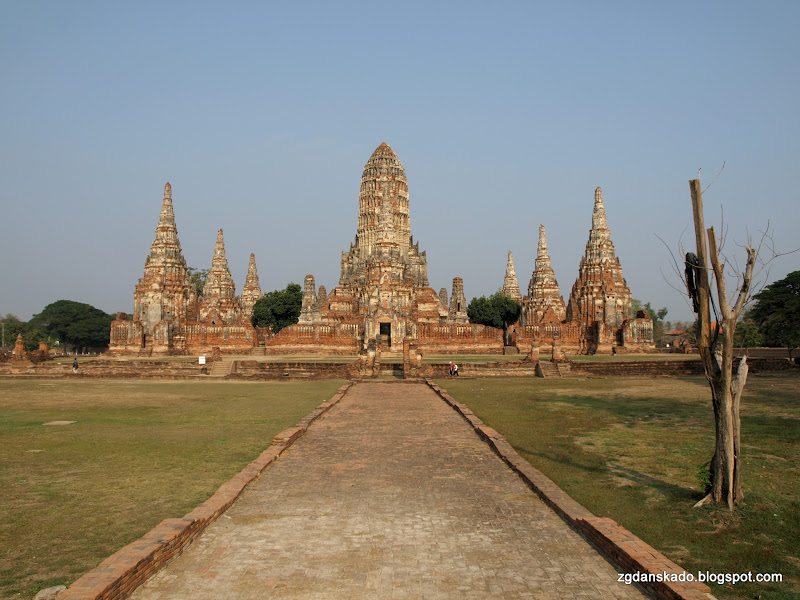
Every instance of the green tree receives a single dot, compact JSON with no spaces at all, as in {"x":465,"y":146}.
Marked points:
{"x":74,"y":323}
{"x":497,"y":311}
{"x":12,"y":327}
{"x":278,"y":309}
{"x":198,"y":278}
{"x":747,"y":334}
{"x":777,"y":312}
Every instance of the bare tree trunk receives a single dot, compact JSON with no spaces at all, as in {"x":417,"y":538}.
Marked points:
{"x":726,"y":390}
{"x":737,"y":388}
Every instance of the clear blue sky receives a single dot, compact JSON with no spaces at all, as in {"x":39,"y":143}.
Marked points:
{"x":505,"y":115}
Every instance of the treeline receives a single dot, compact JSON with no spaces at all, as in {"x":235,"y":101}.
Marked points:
{"x":65,"y":323}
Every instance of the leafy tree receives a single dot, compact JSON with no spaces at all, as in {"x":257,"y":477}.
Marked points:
{"x":747,"y":334}
{"x":198,"y":277}
{"x":777,"y":312}
{"x":481,"y":311}
{"x":33,"y":335}
{"x":13,"y":327}
{"x":74,"y":323}
{"x":497,"y":311}
{"x":278,"y":309}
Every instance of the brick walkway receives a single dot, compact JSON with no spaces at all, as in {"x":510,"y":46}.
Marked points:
{"x":389,"y":495}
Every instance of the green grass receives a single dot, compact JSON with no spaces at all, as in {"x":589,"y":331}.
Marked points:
{"x":139,"y":452}
{"x":629,"y":449}
{"x":631,"y":357}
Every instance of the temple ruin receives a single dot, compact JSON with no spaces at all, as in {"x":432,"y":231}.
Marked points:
{"x":383,"y":298}
{"x":599,"y":316}
{"x":169,"y":317}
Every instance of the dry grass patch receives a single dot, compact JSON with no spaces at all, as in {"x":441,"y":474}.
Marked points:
{"x":630,"y":448}
{"x":137,"y":453}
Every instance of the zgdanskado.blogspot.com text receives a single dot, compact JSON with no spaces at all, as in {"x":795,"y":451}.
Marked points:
{"x":701,"y":576}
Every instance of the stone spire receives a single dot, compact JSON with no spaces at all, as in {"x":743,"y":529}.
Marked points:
{"x":383,"y":243}
{"x":219,"y":281}
{"x":384,"y":187}
{"x":541,"y":251}
{"x":458,"y":303}
{"x":599,"y":212}
{"x":166,"y":244}
{"x":164,"y":292}
{"x":251,"y":291}
{"x":219,"y":303}
{"x":322,"y":296}
{"x":544,"y":297}
{"x":600,"y":293}
{"x":309,"y":310}
{"x":443,"y":297}
{"x":510,"y":285}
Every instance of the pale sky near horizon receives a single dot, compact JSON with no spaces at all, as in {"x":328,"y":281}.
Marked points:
{"x":505,"y":115}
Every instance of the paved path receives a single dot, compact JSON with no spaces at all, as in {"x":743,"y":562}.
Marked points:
{"x":389,"y":495}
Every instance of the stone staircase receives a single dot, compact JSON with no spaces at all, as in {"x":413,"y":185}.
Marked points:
{"x":547,"y":369}
{"x":392,"y":371}
{"x":221,"y":368}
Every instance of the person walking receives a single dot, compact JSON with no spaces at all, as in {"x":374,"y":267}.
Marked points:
{"x":75,"y":365}
{"x":455,"y":370}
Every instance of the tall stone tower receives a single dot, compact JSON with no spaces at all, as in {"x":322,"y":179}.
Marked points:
{"x":510,"y":285}
{"x":219,"y":292}
{"x":545,"y":303}
{"x":458,"y":303}
{"x":309,"y":309}
{"x":383,"y":233}
{"x":164,"y":292}
{"x":600,"y":295}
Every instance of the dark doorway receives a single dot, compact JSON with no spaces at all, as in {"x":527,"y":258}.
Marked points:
{"x":386,"y":335}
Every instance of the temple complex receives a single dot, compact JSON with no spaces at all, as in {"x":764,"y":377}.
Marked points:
{"x":598,"y":317}
{"x":383,"y":299}
{"x":383,"y":290}
{"x":169,"y":317}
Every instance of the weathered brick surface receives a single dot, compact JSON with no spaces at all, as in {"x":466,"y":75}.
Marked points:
{"x":389,"y":495}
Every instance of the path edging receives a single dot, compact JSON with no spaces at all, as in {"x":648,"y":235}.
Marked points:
{"x":628,"y":551}
{"x":121,"y":573}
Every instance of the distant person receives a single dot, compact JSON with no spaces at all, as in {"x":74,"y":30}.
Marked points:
{"x":75,"y":365}
{"x":451,"y":368}
{"x":455,"y":370}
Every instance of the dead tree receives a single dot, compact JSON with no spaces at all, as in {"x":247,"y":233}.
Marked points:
{"x":715,"y":346}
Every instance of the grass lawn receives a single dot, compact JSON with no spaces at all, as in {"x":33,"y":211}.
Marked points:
{"x":138,"y":452}
{"x":629,"y":449}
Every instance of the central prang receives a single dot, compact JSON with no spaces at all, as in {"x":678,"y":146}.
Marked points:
{"x":383,"y":285}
